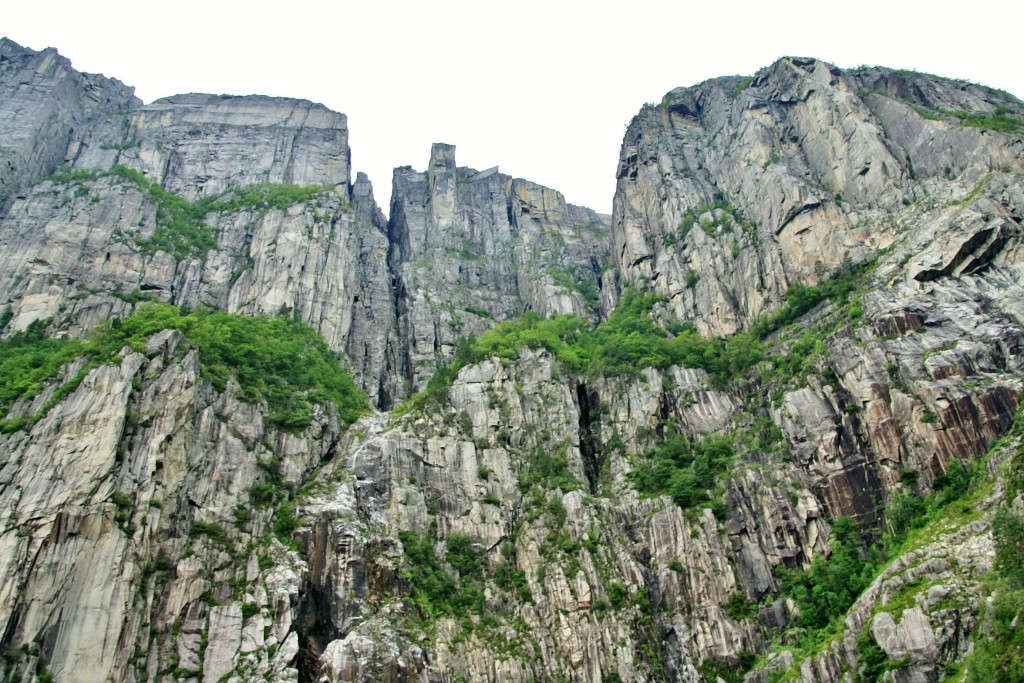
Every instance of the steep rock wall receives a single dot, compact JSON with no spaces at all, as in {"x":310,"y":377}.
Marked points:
{"x":474,"y":248}
{"x":46,"y":107}
{"x":813,"y":165}
{"x":495,"y":532}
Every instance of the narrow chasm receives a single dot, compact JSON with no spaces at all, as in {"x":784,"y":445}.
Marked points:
{"x":590,"y":449}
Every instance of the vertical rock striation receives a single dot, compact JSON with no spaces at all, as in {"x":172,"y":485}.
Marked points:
{"x":857,"y":236}
{"x":470,"y":249}
{"x":46,"y":108}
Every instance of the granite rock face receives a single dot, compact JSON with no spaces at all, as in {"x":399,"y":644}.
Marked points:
{"x":474,"y":248}
{"x":810,"y":165}
{"x":202,"y":145}
{"x":46,"y":109}
{"x":170,"y":522}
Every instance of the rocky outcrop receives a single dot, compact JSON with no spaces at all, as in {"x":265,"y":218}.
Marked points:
{"x":203,"y":145}
{"x":732,"y":190}
{"x":47,"y":108}
{"x":76,"y":252}
{"x":474,"y":248}
{"x":463,"y":249}
{"x":124,"y":554}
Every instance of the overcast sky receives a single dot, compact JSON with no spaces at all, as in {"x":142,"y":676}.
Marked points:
{"x":541,"y":88}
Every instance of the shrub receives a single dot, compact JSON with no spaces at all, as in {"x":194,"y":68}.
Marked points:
{"x":683,"y":469}
{"x":435,"y":590}
{"x":28,"y":359}
{"x":277,"y":360}
{"x":827,"y":590}
{"x":740,"y":606}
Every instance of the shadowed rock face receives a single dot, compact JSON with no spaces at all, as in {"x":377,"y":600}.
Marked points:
{"x":147,"y":510}
{"x":46,"y":110}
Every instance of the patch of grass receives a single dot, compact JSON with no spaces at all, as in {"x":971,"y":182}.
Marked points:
{"x":976,"y":192}
{"x":1001,"y":120}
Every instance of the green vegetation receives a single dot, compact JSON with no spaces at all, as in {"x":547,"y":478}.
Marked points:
{"x":1001,"y":120}
{"x":713,"y":671}
{"x":136,"y":296}
{"x":730,"y":218}
{"x":276,"y":493}
{"x":479,"y":312}
{"x":740,"y":606}
{"x":277,"y":360}
{"x":27,"y":361}
{"x":741,"y":85}
{"x":999,"y":654}
{"x":829,"y":587}
{"x":631,"y":339}
{"x":212,"y":531}
{"x":976,"y":191}
{"x":436,"y":590}
{"x":800,"y":299}
{"x":683,"y":469}
{"x":180,"y":225}
{"x":546,"y":469}
{"x":872,"y":661}
{"x":580,"y":281}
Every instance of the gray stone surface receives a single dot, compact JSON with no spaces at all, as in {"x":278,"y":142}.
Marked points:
{"x":130,"y":547}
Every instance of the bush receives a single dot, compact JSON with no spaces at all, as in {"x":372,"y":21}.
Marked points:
{"x":435,"y":590}
{"x":28,"y":359}
{"x":827,"y":590}
{"x":683,"y":469}
{"x":740,"y":606}
{"x":618,"y":596}
{"x":277,"y":360}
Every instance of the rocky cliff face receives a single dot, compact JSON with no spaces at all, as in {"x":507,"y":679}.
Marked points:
{"x":550,"y":509}
{"x":474,"y":248}
{"x":732,"y":190}
{"x":46,"y":107}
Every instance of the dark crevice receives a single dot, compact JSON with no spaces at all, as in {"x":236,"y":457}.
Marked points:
{"x":590,"y":421}
{"x":398,"y":363}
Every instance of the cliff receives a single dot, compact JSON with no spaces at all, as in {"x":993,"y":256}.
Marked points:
{"x":614,"y":449}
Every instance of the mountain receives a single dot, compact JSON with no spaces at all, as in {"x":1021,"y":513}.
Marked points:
{"x":759,"y":424}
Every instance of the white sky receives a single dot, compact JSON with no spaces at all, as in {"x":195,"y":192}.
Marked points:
{"x":543,"y":89}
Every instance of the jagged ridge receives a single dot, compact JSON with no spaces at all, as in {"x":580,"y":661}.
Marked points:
{"x":157,"y":501}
